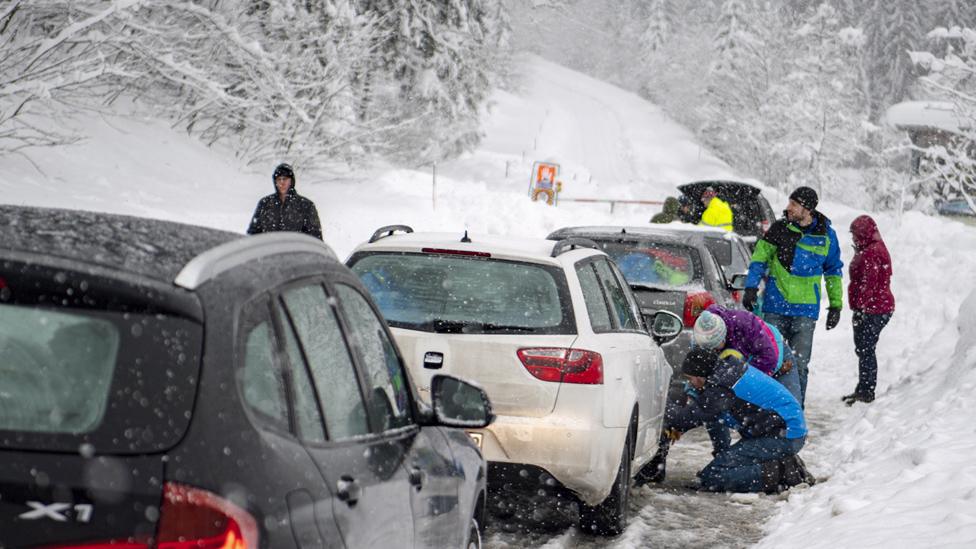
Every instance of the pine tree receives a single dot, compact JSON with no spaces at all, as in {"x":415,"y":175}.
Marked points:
{"x":659,"y":25}
{"x":816,"y":108}
{"x":892,"y":29}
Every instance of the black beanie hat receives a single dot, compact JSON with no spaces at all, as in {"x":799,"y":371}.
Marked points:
{"x":806,"y":197}
{"x":699,"y":362}
{"x":283,"y":169}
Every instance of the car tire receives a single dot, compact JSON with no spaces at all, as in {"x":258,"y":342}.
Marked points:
{"x":609,"y":518}
{"x":474,"y":535}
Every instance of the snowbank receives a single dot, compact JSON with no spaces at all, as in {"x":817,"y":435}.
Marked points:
{"x":900,"y":471}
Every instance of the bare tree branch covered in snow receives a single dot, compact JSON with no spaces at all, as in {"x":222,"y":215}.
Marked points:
{"x":271,"y":79}
{"x":44,"y":75}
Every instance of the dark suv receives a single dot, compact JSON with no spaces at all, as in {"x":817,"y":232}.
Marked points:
{"x":751,"y":213}
{"x":171,"y":386}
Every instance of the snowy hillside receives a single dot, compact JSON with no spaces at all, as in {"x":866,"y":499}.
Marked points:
{"x":898,"y":472}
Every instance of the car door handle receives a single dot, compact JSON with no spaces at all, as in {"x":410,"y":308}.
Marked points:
{"x":417,"y":477}
{"x":348,"y":490}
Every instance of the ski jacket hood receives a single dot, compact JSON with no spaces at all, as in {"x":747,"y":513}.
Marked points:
{"x":865,"y":232}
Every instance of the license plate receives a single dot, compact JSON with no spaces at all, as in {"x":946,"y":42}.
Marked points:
{"x":476,"y":437}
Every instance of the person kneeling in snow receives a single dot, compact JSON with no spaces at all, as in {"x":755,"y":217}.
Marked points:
{"x":767,"y":416}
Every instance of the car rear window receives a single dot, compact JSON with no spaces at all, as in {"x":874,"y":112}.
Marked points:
{"x":464,"y":294}
{"x":78,"y":365}
{"x":658,"y":264}
{"x":56,"y":369}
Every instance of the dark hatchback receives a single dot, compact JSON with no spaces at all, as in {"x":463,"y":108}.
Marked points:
{"x":751,"y":213}
{"x":669,"y":267}
{"x":171,"y":386}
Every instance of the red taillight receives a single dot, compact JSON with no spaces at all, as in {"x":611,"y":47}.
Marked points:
{"x":563,"y":365}
{"x":198,"y":519}
{"x":695,"y":303}
{"x":454,"y":252}
{"x":192,"y":518}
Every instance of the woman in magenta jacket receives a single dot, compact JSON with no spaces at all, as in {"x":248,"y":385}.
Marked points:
{"x":870,"y":297}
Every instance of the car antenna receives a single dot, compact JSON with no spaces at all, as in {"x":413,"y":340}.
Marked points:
{"x":465,"y":237}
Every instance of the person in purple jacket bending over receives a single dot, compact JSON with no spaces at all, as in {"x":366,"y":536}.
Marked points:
{"x":760,"y":344}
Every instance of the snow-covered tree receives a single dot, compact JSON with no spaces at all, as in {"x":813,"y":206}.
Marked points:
{"x":738,"y":83}
{"x":436,"y":65}
{"x":816,"y":105}
{"x":951,"y":164}
{"x":658,"y":27}
{"x":892,"y":28}
{"x":52,"y":59}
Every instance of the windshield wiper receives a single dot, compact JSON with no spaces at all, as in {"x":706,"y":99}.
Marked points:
{"x":442,"y":326}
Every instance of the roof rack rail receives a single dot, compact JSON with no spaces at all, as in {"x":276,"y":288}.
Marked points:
{"x":231,"y":254}
{"x":389,"y":230}
{"x":571,"y":243}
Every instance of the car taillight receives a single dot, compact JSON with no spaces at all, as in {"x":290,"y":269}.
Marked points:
{"x":695,"y":303}
{"x":563,"y":365}
{"x":198,"y":519}
{"x":191,"y":518}
{"x":444,"y":251}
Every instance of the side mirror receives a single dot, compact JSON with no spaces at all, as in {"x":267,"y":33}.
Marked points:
{"x":458,"y":403}
{"x":665,"y":326}
{"x":738,"y":282}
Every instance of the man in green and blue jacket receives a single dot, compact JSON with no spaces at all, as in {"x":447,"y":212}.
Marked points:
{"x":793,"y":256}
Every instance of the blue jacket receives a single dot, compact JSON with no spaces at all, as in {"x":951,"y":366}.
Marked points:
{"x":747,"y":400}
{"x":794,"y":260}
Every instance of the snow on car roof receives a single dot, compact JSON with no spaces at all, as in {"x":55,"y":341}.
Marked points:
{"x":656,"y":230}
{"x":508,"y":247}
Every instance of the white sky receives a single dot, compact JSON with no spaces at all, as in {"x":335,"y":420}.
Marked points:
{"x":900,"y":472}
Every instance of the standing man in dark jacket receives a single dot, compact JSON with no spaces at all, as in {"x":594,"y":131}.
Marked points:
{"x":769,"y":420}
{"x":870,"y":297}
{"x":285,"y":210}
{"x":794,"y":255}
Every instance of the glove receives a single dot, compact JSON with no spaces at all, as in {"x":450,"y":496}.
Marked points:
{"x":833,"y":317}
{"x":672,"y":434}
{"x":749,"y":298}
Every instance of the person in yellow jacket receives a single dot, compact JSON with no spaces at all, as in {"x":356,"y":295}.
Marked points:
{"x":717,"y":213}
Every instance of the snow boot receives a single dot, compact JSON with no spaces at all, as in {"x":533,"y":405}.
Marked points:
{"x":795,"y":472}
{"x":771,"y":475}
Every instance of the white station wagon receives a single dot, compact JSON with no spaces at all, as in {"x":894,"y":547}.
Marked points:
{"x":553,"y":333}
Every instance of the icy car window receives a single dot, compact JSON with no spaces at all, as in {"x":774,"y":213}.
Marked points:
{"x":386,"y":388}
{"x":264,"y":389}
{"x":458,"y":294}
{"x":333,"y":373}
{"x":55,"y":369}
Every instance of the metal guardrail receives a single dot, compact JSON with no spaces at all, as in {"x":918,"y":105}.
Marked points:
{"x":612,"y":201}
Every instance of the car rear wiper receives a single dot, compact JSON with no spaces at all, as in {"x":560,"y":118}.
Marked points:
{"x":646,"y":286}
{"x":442,"y":326}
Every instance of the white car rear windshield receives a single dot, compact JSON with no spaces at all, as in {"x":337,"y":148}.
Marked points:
{"x":448,"y":293}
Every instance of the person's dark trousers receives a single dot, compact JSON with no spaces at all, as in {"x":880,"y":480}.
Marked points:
{"x":867,"y":330}
{"x":798,"y":332}
{"x":740,"y":468}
